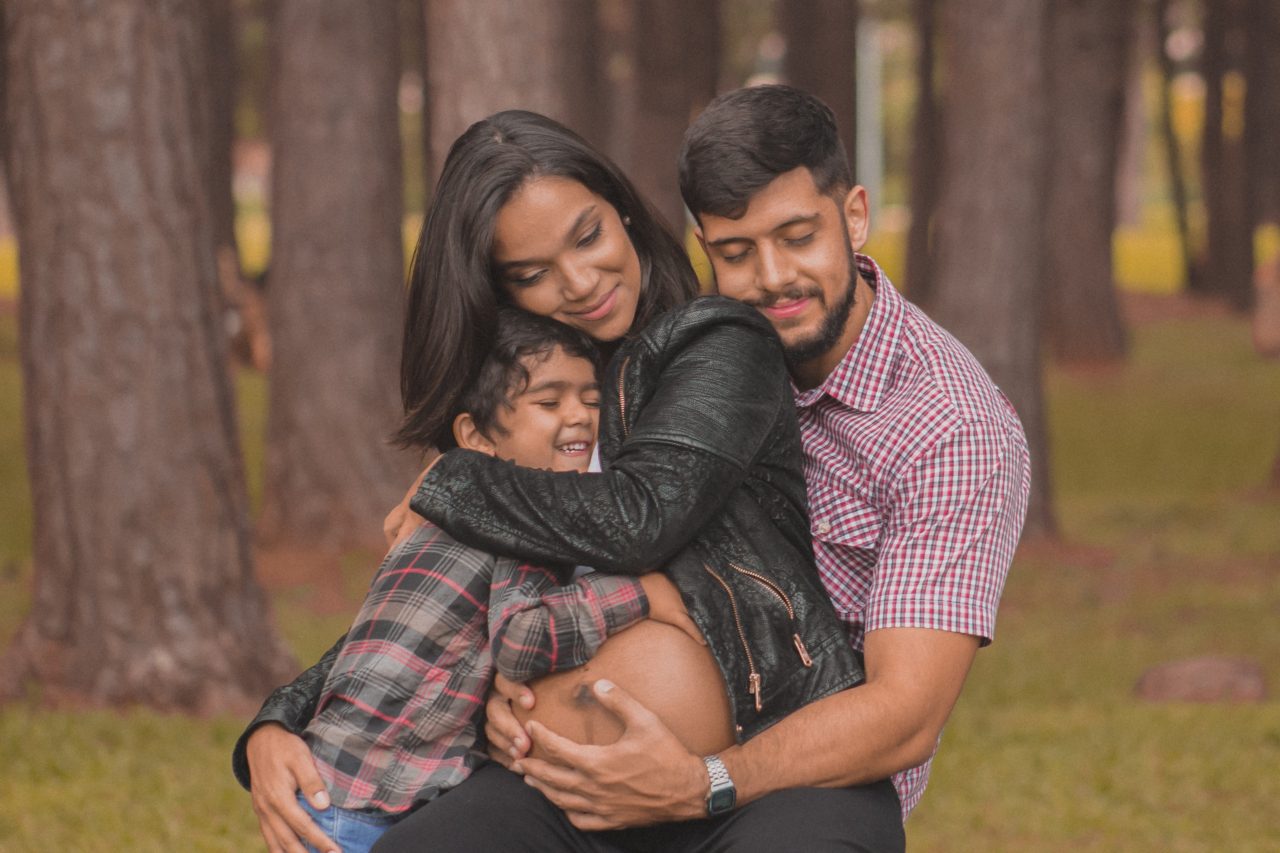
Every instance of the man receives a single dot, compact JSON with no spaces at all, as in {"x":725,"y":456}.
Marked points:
{"x":918,"y":477}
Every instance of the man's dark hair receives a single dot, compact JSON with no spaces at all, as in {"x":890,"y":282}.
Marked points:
{"x":504,"y":375}
{"x":746,"y":138}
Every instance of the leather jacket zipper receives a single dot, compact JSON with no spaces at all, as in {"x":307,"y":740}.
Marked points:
{"x":786,"y":602}
{"x":622,"y":397}
{"x":753,"y":677}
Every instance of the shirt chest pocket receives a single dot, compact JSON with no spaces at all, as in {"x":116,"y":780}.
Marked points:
{"x":843,"y":517}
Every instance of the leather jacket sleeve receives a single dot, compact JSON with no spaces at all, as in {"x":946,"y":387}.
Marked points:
{"x":291,"y":706}
{"x":708,"y":415}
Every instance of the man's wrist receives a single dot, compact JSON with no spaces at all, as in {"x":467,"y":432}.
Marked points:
{"x":722,"y":796}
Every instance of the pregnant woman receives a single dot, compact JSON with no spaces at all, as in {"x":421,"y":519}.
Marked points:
{"x":701,"y":470}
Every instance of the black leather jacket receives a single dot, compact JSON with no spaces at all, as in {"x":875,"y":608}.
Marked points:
{"x":702,"y":479}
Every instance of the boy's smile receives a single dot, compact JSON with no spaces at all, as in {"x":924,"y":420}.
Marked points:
{"x":551,"y":422}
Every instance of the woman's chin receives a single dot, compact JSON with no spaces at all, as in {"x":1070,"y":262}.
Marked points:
{"x":663,"y":668}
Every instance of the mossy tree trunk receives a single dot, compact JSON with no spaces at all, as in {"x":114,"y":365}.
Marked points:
{"x":144,"y":590}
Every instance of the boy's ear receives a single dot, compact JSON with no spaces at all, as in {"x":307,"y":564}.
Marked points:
{"x":469,"y":436}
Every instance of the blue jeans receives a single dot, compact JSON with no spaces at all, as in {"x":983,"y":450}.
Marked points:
{"x":352,"y":830}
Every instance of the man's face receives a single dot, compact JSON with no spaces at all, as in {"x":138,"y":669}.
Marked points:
{"x":790,"y":256}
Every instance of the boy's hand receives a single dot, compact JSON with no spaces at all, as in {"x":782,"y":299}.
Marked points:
{"x":508,"y":741}
{"x":665,"y":605}
{"x":402,"y":521}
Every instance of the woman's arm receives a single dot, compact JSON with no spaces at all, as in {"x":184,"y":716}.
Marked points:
{"x":717,"y":400}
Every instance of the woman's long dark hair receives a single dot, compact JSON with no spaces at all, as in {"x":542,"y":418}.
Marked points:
{"x":453,"y":299}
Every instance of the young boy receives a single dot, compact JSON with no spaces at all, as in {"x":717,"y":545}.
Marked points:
{"x":397,"y":721}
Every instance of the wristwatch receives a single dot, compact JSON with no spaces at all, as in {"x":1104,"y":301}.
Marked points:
{"x":722,"y":796}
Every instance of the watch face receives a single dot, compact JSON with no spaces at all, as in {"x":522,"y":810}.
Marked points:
{"x":720,"y":801}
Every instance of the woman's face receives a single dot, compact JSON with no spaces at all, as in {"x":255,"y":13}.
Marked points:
{"x":562,"y":251}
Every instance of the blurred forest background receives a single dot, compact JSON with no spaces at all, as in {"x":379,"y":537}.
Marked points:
{"x":205,"y":218}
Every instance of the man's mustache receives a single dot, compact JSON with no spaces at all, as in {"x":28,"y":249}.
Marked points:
{"x":789,"y":293}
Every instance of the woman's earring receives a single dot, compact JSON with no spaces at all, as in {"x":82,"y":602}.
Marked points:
{"x":626,"y":221}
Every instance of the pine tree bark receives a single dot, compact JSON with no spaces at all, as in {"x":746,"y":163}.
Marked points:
{"x":334,"y":288}
{"x":144,"y":589}
{"x":1228,"y":265}
{"x":822,"y":37}
{"x":490,"y":55}
{"x":676,"y":52}
{"x":991,"y":212}
{"x":1086,"y":79}
{"x":926,"y":144}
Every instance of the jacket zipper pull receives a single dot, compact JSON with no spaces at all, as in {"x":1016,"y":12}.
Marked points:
{"x":803,"y":652}
{"x":753,"y":687}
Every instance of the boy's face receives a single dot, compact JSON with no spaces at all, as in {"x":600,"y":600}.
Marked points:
{"x":552,"y":422}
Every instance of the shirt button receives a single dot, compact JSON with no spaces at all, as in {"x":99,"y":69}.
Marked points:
{"x":824,"y":527}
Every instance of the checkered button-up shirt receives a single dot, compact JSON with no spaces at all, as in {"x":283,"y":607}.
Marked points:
{"x":397,"y":719}
{"x":918,"y":478}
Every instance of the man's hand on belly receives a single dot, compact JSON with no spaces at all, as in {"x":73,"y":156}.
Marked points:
{"x":646,"y":776}
{"x":508,"y":741}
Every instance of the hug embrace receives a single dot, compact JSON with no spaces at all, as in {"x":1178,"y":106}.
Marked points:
{"x":806,"y":502}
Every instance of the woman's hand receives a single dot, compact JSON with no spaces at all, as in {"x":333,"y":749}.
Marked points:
{"x":280,"y":765}
{"x":508,"y":741}
{"x":666,"y":605}
{"x":402,"y":521}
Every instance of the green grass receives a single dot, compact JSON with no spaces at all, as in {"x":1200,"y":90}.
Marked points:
{"x":1173,"y":549}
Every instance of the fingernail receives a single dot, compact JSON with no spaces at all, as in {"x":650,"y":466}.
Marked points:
{"x":320,"y":799}
{"x":513,"y":752}
{"x":604,"y":685}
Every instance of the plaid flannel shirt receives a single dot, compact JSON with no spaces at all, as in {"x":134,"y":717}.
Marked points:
{"x":918,"y":476}
{"x":398,"y":716}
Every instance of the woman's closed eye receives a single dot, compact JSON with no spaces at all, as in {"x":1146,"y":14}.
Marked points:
{"x":590,"y":237}
{"x":527,"y":279}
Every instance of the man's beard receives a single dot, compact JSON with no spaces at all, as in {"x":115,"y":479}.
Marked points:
{"x":833,"y":325}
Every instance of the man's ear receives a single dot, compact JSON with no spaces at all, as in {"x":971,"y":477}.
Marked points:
{"x":857,"y":216}
{"x":469,"y":436}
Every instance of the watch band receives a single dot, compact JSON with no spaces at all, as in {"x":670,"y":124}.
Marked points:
{"x":722,"y":796}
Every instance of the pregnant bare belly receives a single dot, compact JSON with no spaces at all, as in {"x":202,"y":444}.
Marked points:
{"x":663,"y":668}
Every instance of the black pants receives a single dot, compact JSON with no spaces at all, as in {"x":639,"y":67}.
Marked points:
{"x":495,"y":812}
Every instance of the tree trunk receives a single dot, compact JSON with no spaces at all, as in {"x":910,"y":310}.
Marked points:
{"x":821,"y":38}
{"x":336,"y":276}
{"x":1228,"y":268}
{"x":1173,"y":151}
{"x":144,"y":589}
{"x":1134,"y":142}
{"x":926,"y":145}
{"x":218,"y":57}
{"x":676,"y":50}
{"x":1262,"y":108}
{"x":489,"y":55}
{"x":991,"y":212}
{"x":1086,"y":76}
